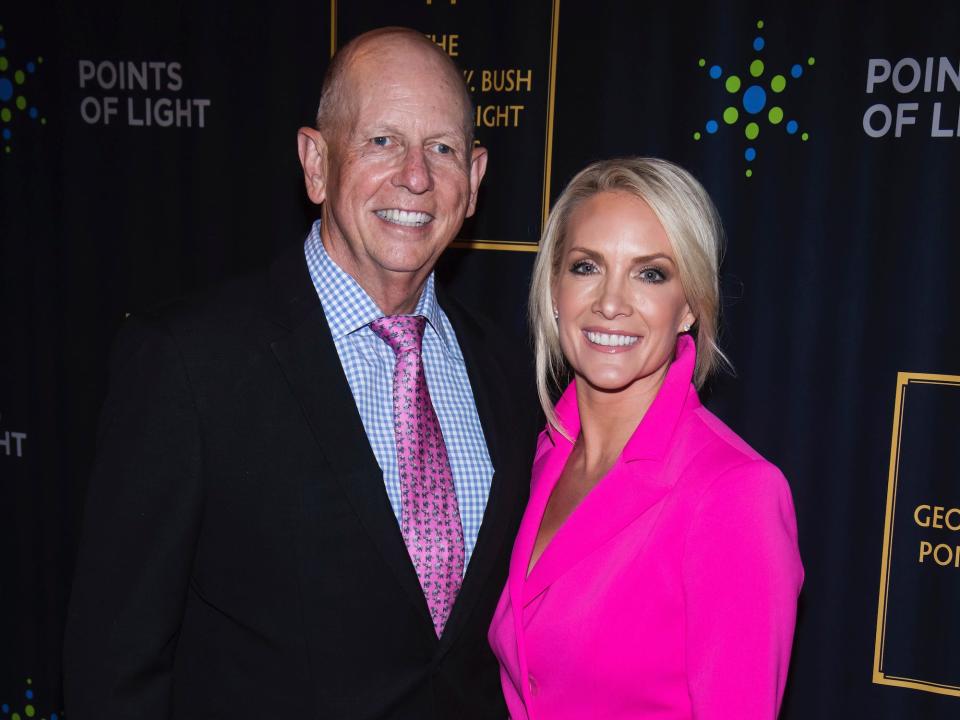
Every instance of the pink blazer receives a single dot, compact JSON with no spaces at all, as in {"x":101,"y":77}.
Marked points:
{"x":670,"y":592}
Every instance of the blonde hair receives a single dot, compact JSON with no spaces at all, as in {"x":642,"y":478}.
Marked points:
{"x":692,"y":225}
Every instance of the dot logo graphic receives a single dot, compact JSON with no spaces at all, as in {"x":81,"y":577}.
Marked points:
{"x":754,"y":101}
{"x":15,"y":109}
{"x":28,"y":707}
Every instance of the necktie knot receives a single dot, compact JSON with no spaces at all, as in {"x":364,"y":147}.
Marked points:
{"x":403,"y":333}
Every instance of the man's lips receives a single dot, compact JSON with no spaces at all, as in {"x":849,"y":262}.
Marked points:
{"x":610,"y":340}
{"x":405,"y":218}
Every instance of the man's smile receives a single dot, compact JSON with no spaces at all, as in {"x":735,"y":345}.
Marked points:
{"x":407,"y":218}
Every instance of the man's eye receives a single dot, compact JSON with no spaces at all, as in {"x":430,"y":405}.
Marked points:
{"x":443,"y":149}
{"x":583,"y":267}
{"x":380,"y":140}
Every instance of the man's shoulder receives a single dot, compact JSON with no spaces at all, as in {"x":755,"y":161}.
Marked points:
{"x":477,"y":331}
{"x":241,"y":305}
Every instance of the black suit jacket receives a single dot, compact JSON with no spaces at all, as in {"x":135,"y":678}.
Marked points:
{"x":240,"y":558}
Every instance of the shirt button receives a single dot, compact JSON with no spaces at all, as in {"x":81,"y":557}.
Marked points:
{"x":534,"y":689}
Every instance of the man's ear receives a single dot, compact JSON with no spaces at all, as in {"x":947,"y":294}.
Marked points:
{"x":313,"y":157}
{"x":478,"y":166}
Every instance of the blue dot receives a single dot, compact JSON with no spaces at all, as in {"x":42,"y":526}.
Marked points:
{"x":3,"y":44}
{"x":796,"y":71}
{"x":754,"y":98}
{"x":758,"y":44}
{"x":715,"y":72}
{"x":712,"y":126}
{"x":792,"y":127}
{"x":750,"y":154}
{"x":29,"y":694}
{"x":31,"y":67}
{"x":5,"y":708}
{"x":33,"y":113}
{"x":6,"y":89}
{"x":53,"y":716}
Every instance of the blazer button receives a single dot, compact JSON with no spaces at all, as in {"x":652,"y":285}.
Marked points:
{"x":534,"y":688}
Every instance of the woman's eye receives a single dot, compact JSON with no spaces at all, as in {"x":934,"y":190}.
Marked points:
{"x":652,"y":275}
{"x":583,"y":267}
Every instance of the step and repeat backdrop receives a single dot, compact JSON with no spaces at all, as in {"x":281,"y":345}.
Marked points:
{"x":147,"y":150}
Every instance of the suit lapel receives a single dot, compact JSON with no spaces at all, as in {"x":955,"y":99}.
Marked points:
{"x":312,"y":367}
{"x":498,"y":418}
{"x":633,"y":487}
{"x":628,"y":492}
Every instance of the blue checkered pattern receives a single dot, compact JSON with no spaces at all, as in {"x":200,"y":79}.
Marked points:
{"x":368,"y":363}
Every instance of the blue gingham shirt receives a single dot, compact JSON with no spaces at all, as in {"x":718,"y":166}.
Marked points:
{"x":368,"y":363}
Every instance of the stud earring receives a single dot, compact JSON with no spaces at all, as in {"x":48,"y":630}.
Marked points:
{"x":686,"y":327}
{"x":556,"y":314}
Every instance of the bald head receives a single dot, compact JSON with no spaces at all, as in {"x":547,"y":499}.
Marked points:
{"x":384,"y":45}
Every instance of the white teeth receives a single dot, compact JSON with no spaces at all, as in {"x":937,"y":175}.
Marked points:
{"x":611,"y":340}
{"x":406,"y":218}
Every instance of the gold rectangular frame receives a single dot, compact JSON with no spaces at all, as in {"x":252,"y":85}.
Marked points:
{"x":548,"y":144}
{"x":879,"y":676}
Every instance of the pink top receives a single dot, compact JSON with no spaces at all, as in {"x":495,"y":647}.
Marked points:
{"x":670,"y":591}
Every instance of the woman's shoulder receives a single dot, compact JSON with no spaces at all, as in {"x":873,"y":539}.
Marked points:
{"x":710,"y":449}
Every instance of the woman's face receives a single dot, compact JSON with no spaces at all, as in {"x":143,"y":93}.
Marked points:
{"x":618,"y":294}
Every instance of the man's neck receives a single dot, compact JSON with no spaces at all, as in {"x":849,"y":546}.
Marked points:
{"x":395,"y":293}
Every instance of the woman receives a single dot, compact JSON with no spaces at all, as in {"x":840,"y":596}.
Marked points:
{"x":656,"y":570}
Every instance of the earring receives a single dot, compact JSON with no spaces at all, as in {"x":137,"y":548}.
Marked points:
{"x":556,"y":314}
{"x":686,"y":327}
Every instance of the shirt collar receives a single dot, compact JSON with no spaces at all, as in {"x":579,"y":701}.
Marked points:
{"x":349,"y":308}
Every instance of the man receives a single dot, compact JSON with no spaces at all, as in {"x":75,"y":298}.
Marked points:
{"x":268,"y":534}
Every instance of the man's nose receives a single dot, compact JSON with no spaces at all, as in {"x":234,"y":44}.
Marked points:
{"x":414,"y":172}
{"x":612,"y":300}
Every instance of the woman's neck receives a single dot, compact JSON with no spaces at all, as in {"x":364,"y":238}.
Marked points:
{"x":609,"y":418}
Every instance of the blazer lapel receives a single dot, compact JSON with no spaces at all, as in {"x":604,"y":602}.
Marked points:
{"x":498,"y":413}
{"x":633,"y":487}
{"x":627,"y":492}
{"x":311,"y":365}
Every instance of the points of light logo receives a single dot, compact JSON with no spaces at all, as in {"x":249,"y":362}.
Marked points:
{"x":28,"y":708}
{"x":14,"y":106}
{"x":753,"y":98}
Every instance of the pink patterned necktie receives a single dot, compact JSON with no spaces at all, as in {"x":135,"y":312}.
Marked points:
{"x":430,"y":517}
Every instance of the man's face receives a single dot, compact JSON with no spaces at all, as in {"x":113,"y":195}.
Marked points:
{"x":400,"y":177}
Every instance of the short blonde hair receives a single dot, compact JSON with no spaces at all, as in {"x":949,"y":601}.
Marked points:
{"x":692,"y":225}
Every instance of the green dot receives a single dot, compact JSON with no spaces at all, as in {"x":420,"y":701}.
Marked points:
{"x":733,"y":84}
{"x":749,"y":172}
{"x":7,"y":149}
{"x":751,"y":131}
{"x":15,"y":716}
{"x":19,"y":77}
{"x":43,"y":121}
{"x":759,"y":24}
{"x":696,"y":136}
{"x":30,"y":710}
{"x":756,"y":68}
{"x":730,"y":115}
{"x":701,"y":62}
{"x":811,"y":61}
{"x":5,"y":114}
{"x":805,"y":137}
{"x":778,"y":83}
{"x":21,"y":102}
{"x":775,"y":116}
